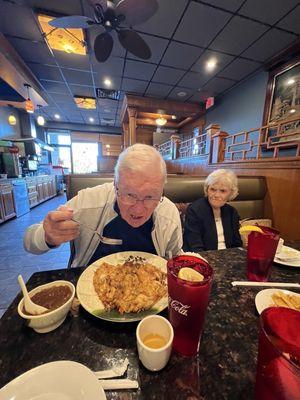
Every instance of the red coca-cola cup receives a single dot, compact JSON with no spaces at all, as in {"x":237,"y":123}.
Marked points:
{"x":278,"y":362}
{"x":188,"y":302}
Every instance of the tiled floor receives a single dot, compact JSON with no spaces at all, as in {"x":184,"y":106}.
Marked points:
{"x":14,"y":260}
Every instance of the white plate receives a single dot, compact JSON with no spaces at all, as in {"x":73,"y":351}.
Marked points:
{"x":59,"y":380}
{"x":294,"y":263}
{"x":264,"y":300}
{"x":90,"y":300}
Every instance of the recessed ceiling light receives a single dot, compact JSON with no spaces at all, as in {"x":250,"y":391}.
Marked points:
{"x":107,"y":82}
{"x":291,"y":81}
{"x":181,"y":94}
{"x":57,"y":116}
{"x":91,"y":119}
{"x":107,"y":146}
{"x":211,"y":64}
{"x":174,"y":117}
{"x":292,"y":111}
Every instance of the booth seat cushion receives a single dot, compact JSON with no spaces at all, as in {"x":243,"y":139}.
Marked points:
{"x":183,"y":190}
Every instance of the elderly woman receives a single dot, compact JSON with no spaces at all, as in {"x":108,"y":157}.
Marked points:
{"x":210,"y":223}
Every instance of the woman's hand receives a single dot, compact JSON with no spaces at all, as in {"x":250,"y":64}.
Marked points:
{"x":59,"y":227}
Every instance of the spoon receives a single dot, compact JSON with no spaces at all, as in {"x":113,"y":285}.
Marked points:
{"x":29,"y":305}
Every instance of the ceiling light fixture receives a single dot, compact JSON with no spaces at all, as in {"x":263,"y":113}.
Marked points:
{"x":88,"y":103}
{"x":181,"y":94}
{"x":211,"y":64}
{"x":12,"y":120}
{"x":91,"y":119}
{"x":107,"y":146}
{"x":40,"y":119}
{"x":68,"y":40}
{"x":29,"y":106}
{"x":292,"y":111}
{"x":161,"y":121}
{"x":56,"y":116}
{"x":291,"y":81}
{"x":174,"y":117}
{"x":107,"y":82}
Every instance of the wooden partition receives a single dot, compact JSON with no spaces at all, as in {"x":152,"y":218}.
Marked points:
{"x":283,"y":182}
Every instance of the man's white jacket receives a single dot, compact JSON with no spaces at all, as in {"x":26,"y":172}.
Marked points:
{"x":95,"y":207}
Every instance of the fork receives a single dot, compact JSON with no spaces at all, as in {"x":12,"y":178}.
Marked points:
{"x":103,"y":239}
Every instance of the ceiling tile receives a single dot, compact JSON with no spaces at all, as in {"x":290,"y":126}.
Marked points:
{"x":269,"y":11}
{"x":193,"y":80}
{"x":237,"y":35}
{"x":221,"y":59}
{"x":77,"y":77}
{"x":26,"y":26}
{"x":167,"y":75}
{"x":73,"y":61}
{"x":201,"y":96}
{"x":112,"y":67}
{"x":174,"y":94}
{"x":291,"y":21}
{"x":139,"y":70}
{"x":71,"y":7}
{"x":269,"y":45}
{"x":158,"y":90}
{"x":134,"y":86}
{"x":196,"y":26}
{"x":218,"y":85}
{"x":47,"y":72}
{"x":54,"y":87}
{"x":107,"y":104}
{"x":239,"y":68}
{"x":63,"y":99}
{"x":164,"y":22}
{"x":80,"y":90}
{"x":180,"y":55}
{"x":231,"y":5}
{"x":157,"y":47}
{"x":37,"y":52}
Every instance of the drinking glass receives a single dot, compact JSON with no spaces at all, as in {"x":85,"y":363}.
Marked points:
{"x":187,"y":303}
{"x":278,"y":364}
{"x":261,"y":252}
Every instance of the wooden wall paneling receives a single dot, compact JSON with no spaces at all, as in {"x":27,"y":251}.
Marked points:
{"x":144,"y":135}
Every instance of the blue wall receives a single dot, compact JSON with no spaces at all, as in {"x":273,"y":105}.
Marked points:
{"x":7,"y":131}
{"x":241,"y":108}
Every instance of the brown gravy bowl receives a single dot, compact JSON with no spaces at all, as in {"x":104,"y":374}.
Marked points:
{"x":51,"y":298}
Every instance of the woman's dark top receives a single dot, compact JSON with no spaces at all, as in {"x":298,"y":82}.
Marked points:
{"x":200,"y":232}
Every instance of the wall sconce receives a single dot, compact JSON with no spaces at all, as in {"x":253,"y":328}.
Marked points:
{"x":12,"y":120}
{"x":40,"y":119}
{"x":29,"y":106}
{"x":161,"y":121}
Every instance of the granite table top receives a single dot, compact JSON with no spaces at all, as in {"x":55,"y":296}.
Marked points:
{"x":224,"y":369}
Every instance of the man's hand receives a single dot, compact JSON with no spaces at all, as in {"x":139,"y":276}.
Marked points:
{"x":59,"y":228}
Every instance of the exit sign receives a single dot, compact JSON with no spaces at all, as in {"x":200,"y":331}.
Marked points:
{"x":209,"y":102}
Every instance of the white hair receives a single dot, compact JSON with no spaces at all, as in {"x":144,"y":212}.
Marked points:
{"x":140,"y":158}
{"x":223,"y":176}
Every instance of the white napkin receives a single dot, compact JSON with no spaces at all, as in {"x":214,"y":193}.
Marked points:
{"x":114,"y":372}
{"x":113,"y":384}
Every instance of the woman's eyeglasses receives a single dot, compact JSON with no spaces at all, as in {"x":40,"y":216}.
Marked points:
{"x":131,"y":199}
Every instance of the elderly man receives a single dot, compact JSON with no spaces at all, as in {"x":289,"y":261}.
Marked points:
{"x":128,"y":215}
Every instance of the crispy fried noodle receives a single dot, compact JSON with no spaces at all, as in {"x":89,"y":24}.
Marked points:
{"x":129,"y":287}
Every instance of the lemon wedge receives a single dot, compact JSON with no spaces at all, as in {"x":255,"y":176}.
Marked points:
{"x":189,"y":274}
{"x":250,"y":228}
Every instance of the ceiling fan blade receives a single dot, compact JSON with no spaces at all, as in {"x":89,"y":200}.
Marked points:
{"x":134,"y":43}
{"x":72,"y":22}
{"x":103,"y":46}
{"x":100,"y":3}
{"x":136,"y":12}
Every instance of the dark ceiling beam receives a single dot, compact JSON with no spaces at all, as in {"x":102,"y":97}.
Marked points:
{"x":15,"y":73}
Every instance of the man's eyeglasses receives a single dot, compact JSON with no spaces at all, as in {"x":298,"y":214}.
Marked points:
{"x":131,"y":199}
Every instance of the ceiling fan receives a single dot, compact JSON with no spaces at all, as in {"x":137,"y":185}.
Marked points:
{"x":119,"y":18}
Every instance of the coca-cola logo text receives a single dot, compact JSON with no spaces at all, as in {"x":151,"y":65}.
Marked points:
{"x":179,"y":307}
